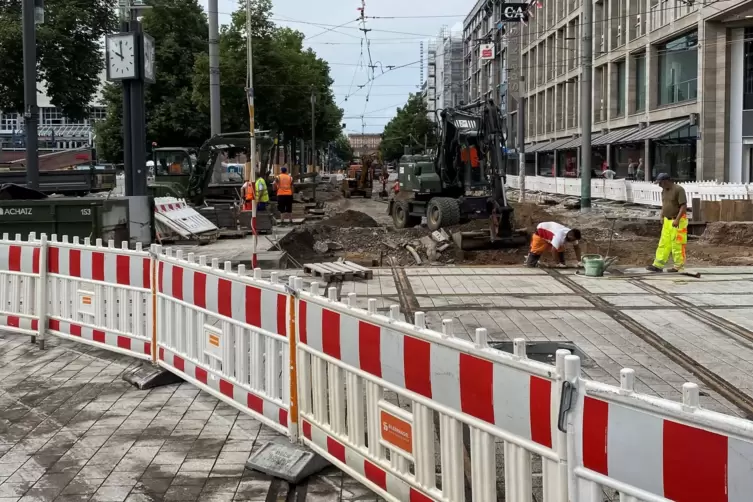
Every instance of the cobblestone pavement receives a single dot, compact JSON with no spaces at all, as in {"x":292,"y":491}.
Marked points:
{"x":72,"y":430}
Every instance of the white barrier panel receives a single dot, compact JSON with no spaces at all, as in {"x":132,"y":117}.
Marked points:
{"x":100,"y":295}
{"x":21,"y":271}
{"x":637,"y":192}
{"x":181,"y":218}
{"x":499,"y":397}
{"x":226,"y":333}
{"x":654,"y":450}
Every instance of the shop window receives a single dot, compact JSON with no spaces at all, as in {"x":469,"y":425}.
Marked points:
{"x":678,"y":69}
{"x":640,"y":82}
{"x":619,"y":69}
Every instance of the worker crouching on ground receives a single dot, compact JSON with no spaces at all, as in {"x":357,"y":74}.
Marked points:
{"x":674,"y":231}
{"x":284,"y":186}
{"x":553,"y":236}
{"x":261,"y":192}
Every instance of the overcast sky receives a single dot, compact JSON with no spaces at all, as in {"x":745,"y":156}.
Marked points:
{"x":341,"y":47}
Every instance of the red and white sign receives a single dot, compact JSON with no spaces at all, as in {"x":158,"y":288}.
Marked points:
{"x":487,"y":51}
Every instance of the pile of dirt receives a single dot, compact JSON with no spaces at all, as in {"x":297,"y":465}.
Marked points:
{"x":529,"y":214}
{"x":350,"y":219}
{"x":734,"y":233}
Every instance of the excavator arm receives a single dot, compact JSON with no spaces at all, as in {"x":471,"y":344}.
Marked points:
{"x":206,"y":160}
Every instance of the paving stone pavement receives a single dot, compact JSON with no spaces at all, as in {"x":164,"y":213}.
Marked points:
{"x":72,"y":430}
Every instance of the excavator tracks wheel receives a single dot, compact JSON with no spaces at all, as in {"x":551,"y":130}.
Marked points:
{"x":401,"y":214}
{"x":442,"y":212}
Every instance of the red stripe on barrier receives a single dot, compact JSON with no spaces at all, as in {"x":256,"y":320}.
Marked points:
{"x":200,"y":289}
{"x":14,"y":258}
{"x":477,"y":387}
{"x":375,"y":474}
{"x":595,"y":430}
{"x":695,"y":464}
{"x":74,"y":262}
{"x":35,"y":260}
{"x":224,"y":298}
{"x":282,"y":417}
{"x":148,"y":348}
{"x":161,"y":276}
{"x":330,"y":330}
{"x":302,"y":326}
{"x":122,"y":270}
{"x":53,"y":260}
{"x":179,"y":363}
{"x":54,"y":325}
{"x":161,"y":353}
{"x":35,"y":324}
{"x":253,"y":306}
{"x":13,"y":321}
{"x":74,"y":329}
{"x":98,"y":266}
{"x":369,"y":348}
{"x":417,"y":365}
{"x":417,"y":496}
{"x":336,"y":449}
{"x":124,"y":342}
{"x":177,"y":284}
{"x":227,"y":388}
{"x":201,"y":375}
{"x":146,"y":271}
{"x":541,"y":411}
{"x":282,"y":315}
{"x":307,"y":430}
{"x":97,"y":335}
{"x":255,"y":403}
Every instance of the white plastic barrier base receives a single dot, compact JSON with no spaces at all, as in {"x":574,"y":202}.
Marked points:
{"x":182,"y":219}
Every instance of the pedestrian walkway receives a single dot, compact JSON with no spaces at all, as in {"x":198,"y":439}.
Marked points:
{"x":72,"y":430}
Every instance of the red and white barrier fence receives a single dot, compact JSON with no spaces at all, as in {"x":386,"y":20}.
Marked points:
{"x":415,"y":414}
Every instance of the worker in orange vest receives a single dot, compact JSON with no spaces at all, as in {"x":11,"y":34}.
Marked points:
{"x":247,"y":191}
{"x":284,"y":186}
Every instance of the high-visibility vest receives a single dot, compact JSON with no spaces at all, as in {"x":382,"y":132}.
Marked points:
{"x":248,"y":191}
{"x":261,"y":189}
{"x":284,"y":184}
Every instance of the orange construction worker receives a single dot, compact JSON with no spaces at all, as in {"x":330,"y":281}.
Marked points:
{"x":552,"y":236}
{"x":284,"y":184}
{"x":247,"y":191}
{"x":674,"y":231}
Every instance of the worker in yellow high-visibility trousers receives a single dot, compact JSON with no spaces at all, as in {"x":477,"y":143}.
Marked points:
{"x":674,"y":231}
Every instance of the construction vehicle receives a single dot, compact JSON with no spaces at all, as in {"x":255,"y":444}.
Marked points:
{"x":359,"y":179}
{"x":464,"y":180}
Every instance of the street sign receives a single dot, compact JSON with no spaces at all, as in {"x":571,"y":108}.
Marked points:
{"x":515,"y":12}
{"x":487,"y":51}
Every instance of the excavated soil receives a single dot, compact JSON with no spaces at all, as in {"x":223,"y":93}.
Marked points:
{"x":349,"y":219}
{"x":724,"y":232}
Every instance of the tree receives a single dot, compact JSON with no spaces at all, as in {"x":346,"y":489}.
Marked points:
{"x":410,"y":126}
{"x":181,"y":35}
{"x":342,"y":149}
{"x":69,"y":54}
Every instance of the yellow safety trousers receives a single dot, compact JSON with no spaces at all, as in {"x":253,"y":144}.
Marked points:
{"x":673,"y":241}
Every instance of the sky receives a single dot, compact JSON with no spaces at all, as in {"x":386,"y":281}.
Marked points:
{"x":334,"y":34}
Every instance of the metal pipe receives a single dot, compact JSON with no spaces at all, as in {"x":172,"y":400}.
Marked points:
{"x":214,"y":69}
{"x":586,"y":107}
{"x":31,"y":110}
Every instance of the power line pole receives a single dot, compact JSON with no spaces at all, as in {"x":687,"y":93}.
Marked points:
{"x":251,"y":166}
{"x":32,"y":13}
{"x":586,"y":90}
{"x":214,"y":69}
{"x":313,"y":139}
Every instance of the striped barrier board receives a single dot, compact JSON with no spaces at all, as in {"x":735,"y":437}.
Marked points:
{"x":178,"y":216}
{"x":20,"y":282}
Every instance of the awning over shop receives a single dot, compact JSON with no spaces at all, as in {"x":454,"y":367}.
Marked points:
{"x":576,"y":142}
{"x":553,"y":145}
{"x":654,"y":131}
{"x":614,"y":136}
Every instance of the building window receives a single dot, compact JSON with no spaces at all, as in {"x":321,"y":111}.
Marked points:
{"x":97,"y":113}
{"x":678,"y":69}
{"x":640,"y":82}
{"x":52,"y":116}
{"x":619,"y":70}
{"x":748,"y":70}
{"x":10,"y":121}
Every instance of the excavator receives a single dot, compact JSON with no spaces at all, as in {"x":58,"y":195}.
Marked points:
{"x":464,"y":180}
{"x":359,"y":179}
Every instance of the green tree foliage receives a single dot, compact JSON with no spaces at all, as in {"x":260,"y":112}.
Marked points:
{"x":285,"y":74}
{"x":342,"y":148}
{"x":410,"y":126}
{"x":69,"y":58}
{"x":181,"y":35}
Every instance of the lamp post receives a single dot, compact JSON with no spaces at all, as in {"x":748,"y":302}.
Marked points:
{"x":33,"y":14}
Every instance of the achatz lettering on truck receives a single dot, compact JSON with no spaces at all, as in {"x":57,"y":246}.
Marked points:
{"x":16,"y":211}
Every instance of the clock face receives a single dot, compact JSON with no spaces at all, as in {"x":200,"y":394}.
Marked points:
{"x":121,"y":57}
{"x":149,"y":56}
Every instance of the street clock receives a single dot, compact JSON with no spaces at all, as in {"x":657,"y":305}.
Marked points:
{"x":121,"y":57}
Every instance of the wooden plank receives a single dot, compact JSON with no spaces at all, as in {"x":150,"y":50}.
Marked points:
{"x":696,"y":207}
{"x":367,"y":273}
{"x":711,"y":210}
{"x":727,"y":210}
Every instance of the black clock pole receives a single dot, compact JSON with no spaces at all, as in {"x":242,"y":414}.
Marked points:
{"x":138,"y":118}
{"x":127,"y":140}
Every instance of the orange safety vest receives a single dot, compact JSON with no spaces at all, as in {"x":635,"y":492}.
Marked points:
{"x":284,"y":185}
{"x":248,"y":191}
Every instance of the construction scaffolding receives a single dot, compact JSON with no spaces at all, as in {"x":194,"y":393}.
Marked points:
{"x":445,"y":71}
